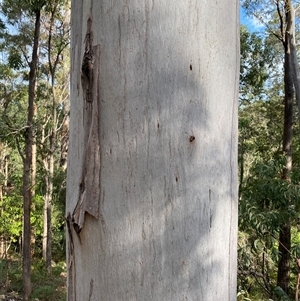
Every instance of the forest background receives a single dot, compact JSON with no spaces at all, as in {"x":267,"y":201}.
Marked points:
{"x":34,"y":123}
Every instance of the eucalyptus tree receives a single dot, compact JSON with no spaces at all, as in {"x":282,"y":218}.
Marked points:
{"x":54,"y":86}
{"x":279,"y":20}
{"x":152,"y":166}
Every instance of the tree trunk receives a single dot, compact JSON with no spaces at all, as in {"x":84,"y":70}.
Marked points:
{"x":33,"y":172}
{"x":4,"y":161}
{"x":49,"y":169}
{"x":290,"y":32}
{"x":284,"y":247}
{"x":47,"y":236}
{"x":64,"y":141}
{"x":154,"y":97}
{"x":27,"y":192}
{"x":55,"y":59}
{"x":283,"y":275}
{"x":48,"y":162}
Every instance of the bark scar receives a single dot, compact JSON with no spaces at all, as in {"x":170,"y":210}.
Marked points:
{"x":91,"y":289}
{"x":71,"y":262}
{"x":89,"y":190}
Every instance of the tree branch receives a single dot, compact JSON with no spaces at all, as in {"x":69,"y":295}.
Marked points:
{"x":281,"y":20}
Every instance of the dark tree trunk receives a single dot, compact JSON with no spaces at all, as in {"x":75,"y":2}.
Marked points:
{"x":283,"y":275}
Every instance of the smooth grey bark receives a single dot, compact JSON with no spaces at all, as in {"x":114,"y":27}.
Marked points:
{"x":291,"y":35}
{"x":152,"y":163}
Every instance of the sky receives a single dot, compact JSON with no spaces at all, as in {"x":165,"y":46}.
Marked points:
{"x":243,"y":18}
{"x":251,"y":22}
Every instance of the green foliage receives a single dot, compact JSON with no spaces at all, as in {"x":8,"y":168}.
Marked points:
{"x":241,"y":296}
{"x":256,"y":59}
{"x":49,"y":287}
{"x":51,"y":105}
{"x":11,"y":218}
{"x":266,"y":199}
{"x":281,"y":295}
{"x":45,"y":287}
{"x":11,"y":275}
{"x":15,"y":60}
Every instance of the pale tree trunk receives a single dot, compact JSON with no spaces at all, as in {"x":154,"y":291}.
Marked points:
{"x":47,"y":231}
{"x":48,"y":162}
{"x":65,"y":141}
{"x":34,"y":154}
{"x":33,"y":173}
{"x":49,"y":159}
{"x":154,"y":95}
{"x":49,"y":174}
{"x":3,"y":188}
{"x":59,"y":87}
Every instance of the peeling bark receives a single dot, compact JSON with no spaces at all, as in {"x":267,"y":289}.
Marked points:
{"x":89,"y":185}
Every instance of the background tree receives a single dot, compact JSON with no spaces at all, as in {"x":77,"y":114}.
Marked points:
{"x":280,"y":196}
{"x":54,"y":86}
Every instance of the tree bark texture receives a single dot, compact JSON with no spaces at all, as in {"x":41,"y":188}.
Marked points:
{"x":291,"y":40}
{"x":47,"y":229}
{"x":284,"y":247}
{"x":56,"y":127}
{"x":27,"y":189}
{"x":283,"y":275}
{"x":152,"y":163}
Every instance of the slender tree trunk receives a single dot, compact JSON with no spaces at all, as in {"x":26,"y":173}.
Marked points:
{"x":3,"y":188}
{"x":47,"y":237}
{"x":27,"y":189}
{"x":283,"y":274}
{"x":290,"y":31}
{"x":241,"y":164}
{"x":33,"y":173}
{"x":50,"y":174}
{"x":49,"y":168}
{"x":65,"y":142}
{"x":152,"y":166}
{"x":54,"y":60}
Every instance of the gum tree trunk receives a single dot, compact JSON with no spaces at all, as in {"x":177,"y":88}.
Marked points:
{"x":152,"y":163}
{"x":290,"y":84}
{"x":27,"y":168}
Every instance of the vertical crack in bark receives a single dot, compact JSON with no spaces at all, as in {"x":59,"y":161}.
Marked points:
{"x":91,"y":289}
{"x":89,"y":192}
